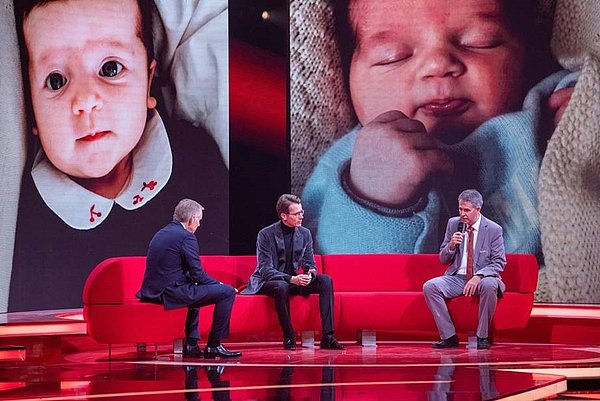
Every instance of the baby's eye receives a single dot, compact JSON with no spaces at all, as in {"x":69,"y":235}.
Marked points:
{"x":55,"y":81}
{"x":110,"y":69}
{"x":481,"y":41}
{"x":482,"y":44}
{"x":395,"y":58}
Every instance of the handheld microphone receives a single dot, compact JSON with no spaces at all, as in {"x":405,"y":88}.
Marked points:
{"x":305,"y":270}
{"x":460,"y":228}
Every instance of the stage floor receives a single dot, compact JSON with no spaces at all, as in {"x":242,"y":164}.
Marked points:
{"x":60,"y":365}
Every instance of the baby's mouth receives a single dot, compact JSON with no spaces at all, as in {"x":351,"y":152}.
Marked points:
{"x":94,"y":136}
{"x":446,"y":107}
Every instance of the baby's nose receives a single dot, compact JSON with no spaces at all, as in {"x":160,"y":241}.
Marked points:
{"x":440,"y":62}
{"x":85,"y":100}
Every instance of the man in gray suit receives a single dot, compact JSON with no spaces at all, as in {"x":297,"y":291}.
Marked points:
{"x":474,"y":269}
{"x":286,"y":266}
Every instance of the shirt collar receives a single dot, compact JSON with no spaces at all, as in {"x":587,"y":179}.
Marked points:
{"x":82,"y":209}
{"x":477,"y":223}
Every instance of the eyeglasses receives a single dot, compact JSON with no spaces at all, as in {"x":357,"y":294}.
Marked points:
{"x":299,"y":213}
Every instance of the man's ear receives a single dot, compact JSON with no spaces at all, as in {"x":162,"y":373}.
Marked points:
{"x":151,"y":100}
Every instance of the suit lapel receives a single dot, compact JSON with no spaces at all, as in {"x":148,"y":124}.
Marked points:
{"x":481,"y":236}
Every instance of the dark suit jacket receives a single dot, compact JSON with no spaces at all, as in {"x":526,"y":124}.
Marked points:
{"x":270,"y":254}
{"x":489,"y":257}
{"x":172,"y":267}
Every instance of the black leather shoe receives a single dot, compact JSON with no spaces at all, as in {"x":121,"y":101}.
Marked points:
{"x":483,"y":343}
{"x":194,"y":351}
{"x":330,"y":342}
{"x":220,"y":350}
{"x":451,"y":342}
{"x":289,"y":344}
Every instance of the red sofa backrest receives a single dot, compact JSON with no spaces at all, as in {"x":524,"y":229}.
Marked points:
{"x":116,"y":280}
{"x":521,"y":272}
{"x":234,"y":270}
{"x":408,"y":272}
{"x":381,"y":272}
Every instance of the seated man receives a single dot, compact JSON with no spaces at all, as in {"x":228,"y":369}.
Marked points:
{"x":474,"y":269}
{"x":174,"y":277}
{"x":286,"y":266}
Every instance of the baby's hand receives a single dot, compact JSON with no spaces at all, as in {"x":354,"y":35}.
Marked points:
{"x":393,"y":158}
{"x":557,"y":104}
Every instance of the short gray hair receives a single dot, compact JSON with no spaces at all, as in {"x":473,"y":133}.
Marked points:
{"x":473,"y":196}
{"x":186,"y":209}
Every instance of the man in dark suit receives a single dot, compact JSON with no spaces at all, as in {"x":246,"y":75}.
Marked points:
{"x":286,"y":266}
{"x":474,"y":269}
{"x":174,"y":277}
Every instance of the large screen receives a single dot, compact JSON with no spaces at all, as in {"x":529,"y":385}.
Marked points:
{"x":120,"y":110}
{"x":378,"y":113}
{"x":398,"y":106}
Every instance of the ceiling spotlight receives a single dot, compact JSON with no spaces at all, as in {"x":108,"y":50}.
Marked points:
{"x":277,"y":16}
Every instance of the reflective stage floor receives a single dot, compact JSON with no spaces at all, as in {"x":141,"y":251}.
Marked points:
{"x":65,"y":364}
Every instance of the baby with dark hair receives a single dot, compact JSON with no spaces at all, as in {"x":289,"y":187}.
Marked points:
{"x":105,"y":167}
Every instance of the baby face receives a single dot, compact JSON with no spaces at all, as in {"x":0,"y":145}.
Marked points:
{"x":90,"y":80}
{"x":451,"y":65}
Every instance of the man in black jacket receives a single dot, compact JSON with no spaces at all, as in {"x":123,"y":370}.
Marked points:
{"x":286,"y":266}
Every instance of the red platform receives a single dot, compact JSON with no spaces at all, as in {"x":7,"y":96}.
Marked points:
{"x":47,"y":356}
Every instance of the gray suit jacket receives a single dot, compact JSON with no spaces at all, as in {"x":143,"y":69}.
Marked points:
{"x":489,"y":257}
{"x":270,"y":255}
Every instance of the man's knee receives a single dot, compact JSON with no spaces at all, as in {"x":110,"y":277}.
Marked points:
{"x":488,"y":286}
{"x":324,"y":280}
{"x":230,"y":292}
{"x":429,"y":287}
{"x":225,"y":293}
{"x":281,"y":289}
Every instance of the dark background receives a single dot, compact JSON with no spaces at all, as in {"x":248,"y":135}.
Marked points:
{"x":259,"y":160}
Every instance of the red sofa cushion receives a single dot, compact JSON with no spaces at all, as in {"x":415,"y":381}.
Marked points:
{"x":134,"y":323}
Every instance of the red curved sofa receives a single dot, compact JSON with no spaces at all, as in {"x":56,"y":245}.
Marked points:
{"x":380,"y":292}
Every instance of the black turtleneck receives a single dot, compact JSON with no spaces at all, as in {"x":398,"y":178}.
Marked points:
{"x":288,"y":236}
